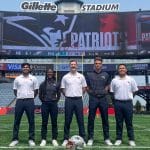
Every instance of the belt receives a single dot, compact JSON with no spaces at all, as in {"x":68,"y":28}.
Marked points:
{"x":76,"y":97}
{"x":124,"y":101}
{"x":25,"y":99}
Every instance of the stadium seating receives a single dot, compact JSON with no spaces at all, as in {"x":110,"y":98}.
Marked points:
{"x":7,"y":96}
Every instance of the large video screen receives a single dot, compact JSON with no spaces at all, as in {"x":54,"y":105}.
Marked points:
{"x":143,"y":20}
{"x":25,"y":34}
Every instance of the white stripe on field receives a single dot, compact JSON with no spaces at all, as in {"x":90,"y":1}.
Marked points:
{"x":60,"y":147}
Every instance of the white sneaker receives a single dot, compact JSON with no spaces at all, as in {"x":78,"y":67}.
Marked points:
{"x":84,"y":145}
{"x":31,"y":143}
{"x":43,"y":143}
{"x":55,"y":143}
{"x":90,"y":142}
{"x":118,"y":142}
{"x":14,"y":143}
{"x":108,"y":142}
{"x":64,"y":143}
{"x":132,"y":143}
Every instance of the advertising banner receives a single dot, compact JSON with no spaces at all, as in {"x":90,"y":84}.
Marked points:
{"x":143,"y":20}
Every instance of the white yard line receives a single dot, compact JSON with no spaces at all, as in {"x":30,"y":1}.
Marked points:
{"x":60,"y":147}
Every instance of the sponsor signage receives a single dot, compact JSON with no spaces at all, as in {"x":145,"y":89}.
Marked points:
{"x":41,"y":67}
{"x":139,"y":66}
{"x":51,"y":7}
{"x":100,"y":7}
{"x":37,"y":6}
{"x":13,"y":67}
{"x":66,"y":67}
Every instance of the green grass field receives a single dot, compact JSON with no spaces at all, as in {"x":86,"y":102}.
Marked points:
{"x":141,"y":127}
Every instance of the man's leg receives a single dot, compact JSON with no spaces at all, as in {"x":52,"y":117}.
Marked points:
{"x":54,"y":114}
{"x":80,"y":117}
{"x":128,"y":115}
{"x":68,"y":117}
{"x":103,"y":106}
{"x":91,"y":117}
{"x":19,"y":109}
{"x":119,"y":119}
{"x":29,"y":108}
{"x":45,"y":116}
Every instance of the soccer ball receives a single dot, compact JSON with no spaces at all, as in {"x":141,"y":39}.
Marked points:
{"x":75,"y":142}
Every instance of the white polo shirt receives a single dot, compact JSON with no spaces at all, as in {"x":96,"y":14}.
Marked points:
{"x":25,"y":86}
{"x":73,"y":84}
{"x":123,"y":88}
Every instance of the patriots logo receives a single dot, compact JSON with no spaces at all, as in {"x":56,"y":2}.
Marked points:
{"x":49,"y":36}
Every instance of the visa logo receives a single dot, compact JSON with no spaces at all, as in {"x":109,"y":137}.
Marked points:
{"x":13,"y":66}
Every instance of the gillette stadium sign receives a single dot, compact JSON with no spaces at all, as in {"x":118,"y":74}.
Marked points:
{"x":37,"y":6}
{"x":100,"y":7}
{"x":85,"y":8}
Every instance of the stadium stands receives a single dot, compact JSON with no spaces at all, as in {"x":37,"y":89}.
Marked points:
{"x":7,"y":95}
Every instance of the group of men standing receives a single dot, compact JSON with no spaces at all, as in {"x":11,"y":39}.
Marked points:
{"x":73,"y":86}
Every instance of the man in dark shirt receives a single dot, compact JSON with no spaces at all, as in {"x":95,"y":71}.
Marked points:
{"x":97,"y":87}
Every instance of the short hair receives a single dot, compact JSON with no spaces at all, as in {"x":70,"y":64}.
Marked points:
{"x":98,"y":58}
{"x":25,"y":64}
{"x":121,"y":65}
{"x":73,"y":60}
{"x":49,"y":69}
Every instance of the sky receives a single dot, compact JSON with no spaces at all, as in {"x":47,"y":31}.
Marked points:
{"x":125,"y":5}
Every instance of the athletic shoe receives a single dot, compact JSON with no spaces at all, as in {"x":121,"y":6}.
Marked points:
{"x":90,"y":142}
{"x":13,"y":143}
{"x":84,"y":144}
{"x":43,"y":143}
{"x":118,"y":142}
{"x":132,"y":143}
{"x":55,"y":143}
{"x":108,"y":142}
{"x":64,"y":143}
{"x":31,"y":143}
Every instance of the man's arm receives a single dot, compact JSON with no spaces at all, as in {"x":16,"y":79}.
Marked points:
{"x":15,"y":93}
{"x":63,"y":91}
{"x":36,"y":92}
{"x":90,"y":91}
{"x":112,"y":97}
{"x":58,"y":91}
{"x":107,"y":88}
{"x":84,"y":89}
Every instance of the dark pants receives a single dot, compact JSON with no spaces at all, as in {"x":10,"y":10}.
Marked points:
{"x":52,"y":109}
{"x":74,"y":105}
{"x":124,"y":111}
{"x":102,"y":104}
{"x":22,"y":105}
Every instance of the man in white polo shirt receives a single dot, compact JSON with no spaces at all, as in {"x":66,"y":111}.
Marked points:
{"x":123,"y":88}
{"x":73,"y":86}
{"x":25,"y":89}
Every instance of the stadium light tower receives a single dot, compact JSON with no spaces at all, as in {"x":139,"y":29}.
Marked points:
{"x":68,"y":6}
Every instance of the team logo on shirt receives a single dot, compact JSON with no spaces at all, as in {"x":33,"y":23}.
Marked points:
{"x":54,"y":84}
{"x":103,"y":77}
